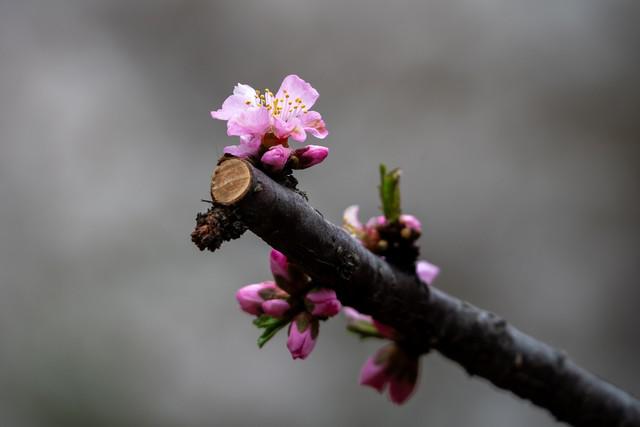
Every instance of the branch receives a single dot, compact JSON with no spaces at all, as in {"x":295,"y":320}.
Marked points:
{"x":426,"y":318}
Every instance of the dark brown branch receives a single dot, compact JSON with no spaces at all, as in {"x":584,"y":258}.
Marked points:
{"x":427,"y":318}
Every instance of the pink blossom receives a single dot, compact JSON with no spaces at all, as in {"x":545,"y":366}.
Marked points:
{"x":262,"y":120}
{"x":276,"y":157}
{"x":275,"y":307}
{"x":251,"y":297}
{"x":303,"y":332}
{"x":322,"y":302}
{"x":426,"y":271}
{"x":308,"y":156}
{"x":354,"y":316}
{"x":393,"y":367}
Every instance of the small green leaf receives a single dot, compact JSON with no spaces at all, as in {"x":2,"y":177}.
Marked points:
{"x":390,"y":193}
{"x":364,"y":330}
{"x":270,"y":331}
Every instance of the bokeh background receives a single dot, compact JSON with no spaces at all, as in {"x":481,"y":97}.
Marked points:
{"x":517,"y":126}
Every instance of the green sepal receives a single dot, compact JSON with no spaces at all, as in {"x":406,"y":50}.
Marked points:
{"x":271,"y":326}
{"x":390,"y":193}
{"x":364,"y":330}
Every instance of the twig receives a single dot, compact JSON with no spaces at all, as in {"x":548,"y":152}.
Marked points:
{"x":426,"y":318}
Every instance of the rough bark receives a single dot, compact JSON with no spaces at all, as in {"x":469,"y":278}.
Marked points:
{"x":427,"y":318}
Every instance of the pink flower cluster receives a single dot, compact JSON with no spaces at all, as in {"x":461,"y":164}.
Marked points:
{"x":292,"y":299}
{"x":265,"y":121}
{"x":390,"y":366}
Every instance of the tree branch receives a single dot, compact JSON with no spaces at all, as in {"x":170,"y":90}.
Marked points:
{"x":426,"y":318}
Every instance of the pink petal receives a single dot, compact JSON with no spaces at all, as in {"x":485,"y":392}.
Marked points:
{"x":279,"y":265}
{"x":249,"y":146}
{"x":376,"y":221}
{"x":354,"y":316}
{"x":412,"y":222}
{"x":400,"y":390}
{"x":350,"y":219}
{"x":310,"y":155}
{"x":254,"y":121}
{"x":374,"y":375}
{"x":324,"y":302}
{"x":275,"y":307}
{"x":312,"y":122}
{"x":276,"y":157}
{"x":298,"y":88}
{"x":236,"y":103}
{"x":426,"y":271}
{"x":283,"y":129}
{"x":251,"y":297}
{"x":302,"y":338}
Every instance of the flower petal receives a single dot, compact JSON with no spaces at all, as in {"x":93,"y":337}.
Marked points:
{"x":279,"y":265}
{"x":354,"y":315}
{"x":275,"y":307}
{"x":312,"y":122}
{"x":249,"y":146}
{"x":426,"y":271}
{"x":236,"y":103}
{"x":373,"y":374}
{"x":251,"y":297}
{"x":309,"y":156}
{"x":400,"y":390}
{"x":276,"y":157}
{"x":254,"y":121}
{"x":323,"y":302}
{"x":303,"y":332}
{"x":298,"y":88}
{"x":412,"y":222}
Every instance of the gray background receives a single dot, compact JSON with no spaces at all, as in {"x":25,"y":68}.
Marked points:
{"x":516,"y":125}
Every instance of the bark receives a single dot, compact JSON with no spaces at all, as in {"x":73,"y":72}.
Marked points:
{"x":483,"y":343}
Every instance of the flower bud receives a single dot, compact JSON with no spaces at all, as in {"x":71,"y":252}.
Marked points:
{"x":322,"y":302}
{"x":309,"y":156}
{"x":276,"y":157}
{"x":275,"y":307}
{"x":303,"y":332}
{"x":251,"y":297}
{"x":393,"y":367}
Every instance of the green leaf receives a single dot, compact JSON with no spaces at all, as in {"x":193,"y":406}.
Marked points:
{"x":270,"y":331}
{"x":364,"y":330}
{"x":271,"y":326}
{"x":390,"y":193}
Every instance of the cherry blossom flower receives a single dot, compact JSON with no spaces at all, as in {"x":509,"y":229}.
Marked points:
{"x":322,"y":302}
{"x":252,"y":298}
{"x":264,"y":120}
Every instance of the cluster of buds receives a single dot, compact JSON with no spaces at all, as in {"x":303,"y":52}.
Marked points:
{"x":265,"y":121}
{"x":391,"y":366}
{"x":290,"y":299}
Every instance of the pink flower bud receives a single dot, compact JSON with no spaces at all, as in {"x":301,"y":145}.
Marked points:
{"x":412,"y":222}
{"x":276,"y":157}
{"x":310,"y":155}
{"x":251,"y":297}
{"x":303,"y":332}
{"x":275,"y":307}
{"x":279,"y":265}
{"x":427,"y":272}
{"x":323,"y":302}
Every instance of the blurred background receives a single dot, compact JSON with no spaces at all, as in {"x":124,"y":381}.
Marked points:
{"x":516,"y":125}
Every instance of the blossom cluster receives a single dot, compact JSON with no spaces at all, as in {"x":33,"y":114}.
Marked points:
{"x":391,"y":366}
{"x":291,"y":298}
{"x":265,"y":121}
